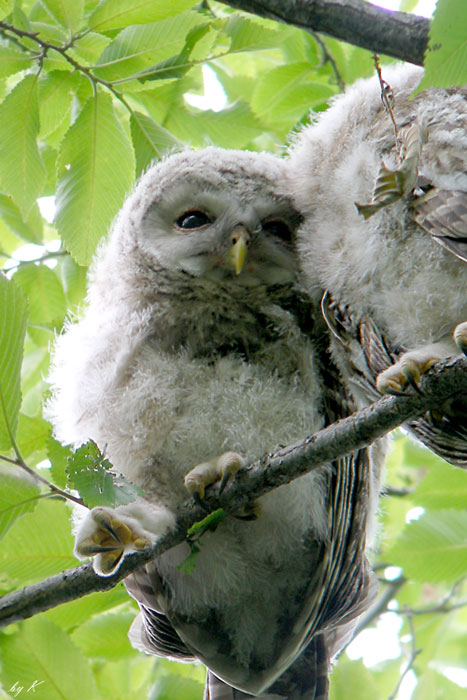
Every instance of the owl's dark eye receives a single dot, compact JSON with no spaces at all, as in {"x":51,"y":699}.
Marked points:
{"x":193,"y":219}
{"x":278,"y":228}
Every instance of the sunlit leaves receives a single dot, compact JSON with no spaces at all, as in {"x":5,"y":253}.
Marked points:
{"x":114,"y":14}
{"x":434,"y":547}
{"x":17,"y":496}
{"x":95,"y":171}
{"x":13,"y":319}
{"x":56,"y":95}
{"x":151,"y":141}
{"x":252,"y":34}
{"x":287,"y":93}
{"x":47,"y":306}
{"x":68,"y":13}
{"x":38,"y":545}
{"x":29,"y":230}
{"x":42,"y":657}
{"x":446,"y":58}
{"x":22,"y":171}
{"x":12,"y":60}
{"x":106,"y":636}
{"x":137,"y":50}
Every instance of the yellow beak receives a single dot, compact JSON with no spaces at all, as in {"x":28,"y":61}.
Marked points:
{"x":236,"y":255}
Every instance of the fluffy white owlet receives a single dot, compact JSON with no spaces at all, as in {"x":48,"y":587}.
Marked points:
{"x":385,"y":233}
{"x":197,"y":354}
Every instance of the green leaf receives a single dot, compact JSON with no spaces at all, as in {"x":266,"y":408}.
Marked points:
{"x":95,"y":171}
{"x":188,"y":565}
{"x":12,"y":60}
{"x":22,"y":171}
{"x":210,"y":522}
{"x":29,"y":230}
{"x":12,"y":331}
{"x":351,"y":679}
{"x":105,"y":636}
{"x":44,"y":291}
{"x":446,"y":57}
{"x":6,"y":7}
{"x":73,"y":278}
{"x":113,"y":14}
{"x":32,"y":435}
{"x":286,"y":93}
{"x":74,"y":613}
{"x":138,"y":49}
{"x":41,"y":658}
{"x":249,"y":34}
{"x":234,"y":127}
{"x":68,"y":13}
{"x":432,"y":685}
{"x":88,"y":47}
{"x":174,"y":686}
{"x":433,"y":548}
{"x":39,"y":544}
{"x":56,"y":90}
{"x":444,"y":486}
{"x":89,"y":473}
{"x":18,"y":494}
{"x":150,"y":140}
{"x":58,"y":456}
{"x":35,"y":368}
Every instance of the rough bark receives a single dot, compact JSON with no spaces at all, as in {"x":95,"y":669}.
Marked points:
{"x":397,"y":34}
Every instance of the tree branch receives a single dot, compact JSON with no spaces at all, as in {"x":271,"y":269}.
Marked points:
{"x":396,"y":34}
{"x":445,"y":380}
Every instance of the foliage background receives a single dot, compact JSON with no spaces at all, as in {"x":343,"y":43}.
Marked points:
{"x":91,"y":92}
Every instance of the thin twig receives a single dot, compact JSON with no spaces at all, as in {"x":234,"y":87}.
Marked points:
{"x":329,"y":58}
{"x":414,"y":652}
{"x":20,"y":263}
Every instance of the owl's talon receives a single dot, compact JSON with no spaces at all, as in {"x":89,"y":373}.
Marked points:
{"x":460,"y":337}
{"x":406,"y":372}
{"x":222,"y":469}
{"x":107,"y":538}
{"x":199,"y":501}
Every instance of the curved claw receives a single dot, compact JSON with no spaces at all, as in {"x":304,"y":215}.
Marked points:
{"x":407,"y":372}
{"x":107,"y":538}
{"x":202,"y":475}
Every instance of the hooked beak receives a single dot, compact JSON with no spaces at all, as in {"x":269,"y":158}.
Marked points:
{"x":236,"y":255}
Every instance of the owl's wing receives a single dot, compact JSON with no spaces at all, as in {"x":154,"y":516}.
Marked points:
{"x":151,"y":631}
{"x":443,"y":214}
{"x":339,"y":588}
{"x":363,"y":353}
{"x":306,"y":679}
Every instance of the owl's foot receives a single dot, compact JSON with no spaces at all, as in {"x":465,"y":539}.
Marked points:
{"x":222,"y":469}
{"x":108,"y":534}
{"x":407,"y":372}
{"x":108,"y":538}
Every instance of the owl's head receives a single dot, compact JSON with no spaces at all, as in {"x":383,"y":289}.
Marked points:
{"x":214,"y":214}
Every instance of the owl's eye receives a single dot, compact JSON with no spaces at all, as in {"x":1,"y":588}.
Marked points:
{"x":278,"y":228}
{"x":193,"y":219}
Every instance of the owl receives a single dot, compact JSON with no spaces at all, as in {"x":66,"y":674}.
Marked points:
{"x":382,"y":186}
{"x":197,"y":353}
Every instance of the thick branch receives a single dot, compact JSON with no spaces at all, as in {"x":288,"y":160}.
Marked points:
{"x":445,"y":380}
{"x":396,"y":34}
